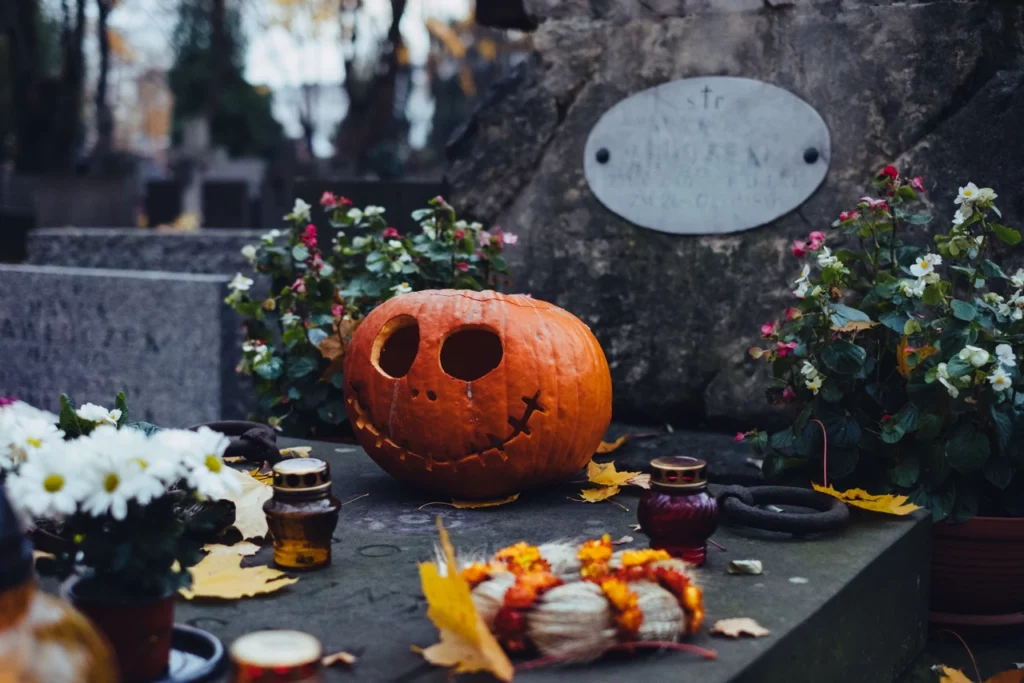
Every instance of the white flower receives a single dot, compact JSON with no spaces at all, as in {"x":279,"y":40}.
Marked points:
{"x":1014,"y":308}
{"x":802,"y":285}
{"x":913,"y":289}
{"x":814,"y":384}
{"x":300,"y":211}
{"x":359,"y":242}
{"x":49,"y":485}
{"x":403,"y":288}
{"x":974,"y":355}
{"x":21,"y":437}
{"x":207,"y":471}
{"x":269,"y":237}
{"x":395,"y":244}
{"x":961,"y":215}
{"x":90,"y":412}
{"x":826,"y":259}
{"x":801,"y":290}
{"x":943,"y":375}
{"x":460,"y":225}
{"x":925,"y":265}
{"x":113,"y":481}
{"x":510,"y":238}
{"x":396,"y":266}
{"x":289,"y":319}
{"x":150,"y":469}
{"x":808,"y":369}
{"x":968,"y":194}
{"x":21,"y":409}
{"x":430,"y":231}
{"x":405,"y":257}
{"x":373,"y":211}
{"x":240,"y":283}
{"x":999,"y":380}
{"x":249,"y":252}
{"x":986,"y":195}
{"x":355,"y":214}
{"x":1017,"y":279}
{"x":1005,"y":355}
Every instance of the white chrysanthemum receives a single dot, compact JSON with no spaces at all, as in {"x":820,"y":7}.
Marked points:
{"x":50,"y":484}
{"x":25,"y":410}
{"x":23,"y":436}
{"x":202,"y":452}
{"x":974,"y":355}
{"x":90,"y":412}
{"x":115,"y":479}
{"x":1005,"y":355}
{"x":161,"y":467}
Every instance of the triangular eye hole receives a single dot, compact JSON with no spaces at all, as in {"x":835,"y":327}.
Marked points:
{"x":396,"y":345}
{"x":469,"y":353}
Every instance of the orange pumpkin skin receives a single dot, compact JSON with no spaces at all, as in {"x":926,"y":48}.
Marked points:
{"x":457,"y":414}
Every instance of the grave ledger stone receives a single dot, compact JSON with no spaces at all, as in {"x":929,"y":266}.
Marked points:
{"x":934,"y":87}
{"x":166,"y":339}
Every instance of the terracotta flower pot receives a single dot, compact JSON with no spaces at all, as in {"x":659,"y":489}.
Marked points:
{"x":978,"y":572}
{"x":139,"y":630}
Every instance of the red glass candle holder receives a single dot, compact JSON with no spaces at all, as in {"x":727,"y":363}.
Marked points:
{"x":677,"y":513}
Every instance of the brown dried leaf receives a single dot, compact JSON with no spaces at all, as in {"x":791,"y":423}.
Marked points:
{"x":242,"y":549}
{"x":346,"y":658}
{"x":599,"y":494}
{"x":609,"y":446}
{"x":220,"y":575}
{"x":739,"y":626}
{"x":250,"y":519}
{"x":855,"y":326}
{"x":475,"y":504}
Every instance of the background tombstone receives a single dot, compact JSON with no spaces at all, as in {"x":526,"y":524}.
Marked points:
{"x":166,"y":339}
{"x":163,"y":201}
{"x":935,"y":88}
{"x":226,"y":204}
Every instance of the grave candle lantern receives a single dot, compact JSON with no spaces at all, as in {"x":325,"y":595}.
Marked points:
{"x":302,"y":514}
{"x":677,"y":513}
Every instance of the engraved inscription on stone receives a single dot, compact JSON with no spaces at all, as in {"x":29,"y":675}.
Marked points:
{"x":159,"y":337}
{"x":707,"y":155}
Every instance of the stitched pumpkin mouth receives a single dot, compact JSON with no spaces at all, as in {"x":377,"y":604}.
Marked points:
{"x":519,"y":426}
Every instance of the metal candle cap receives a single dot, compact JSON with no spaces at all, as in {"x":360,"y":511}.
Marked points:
{"x":679,"y":472}
{"x":275,"y":656}
{"x":302,"y":475}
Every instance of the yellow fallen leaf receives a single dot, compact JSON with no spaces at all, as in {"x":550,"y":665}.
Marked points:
{"x":597,"y":495}
{"x":609,"y":446}
{"x":885,"y":503}
{"x":261,"y":476}
{"x":902,"y":355}
{"x":220,"y":575}
{"x":855,"y":326}
{"x":250,"y":519}
{"x":474,"y":504}
{"x":605,"y":474}
{"x":466,"y":644}
{"x":233,"y":459}
{"x":243,"y":549}
{"x":948,"y":675}
{"x":296,"y":452}
{"x":739,"y":626}
{"x":641,"y":480}
{"x":346,"y":658}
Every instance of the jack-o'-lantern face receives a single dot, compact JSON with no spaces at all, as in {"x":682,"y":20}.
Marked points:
{"x":476,"y":394}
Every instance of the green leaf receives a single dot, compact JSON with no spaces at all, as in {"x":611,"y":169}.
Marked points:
{"x":147,"y":428}
{"x":843,"y":357}
{"x":907,"y":417}
{"x":319,"y":319}
{"x":957,"y":367}
{"x":292,"y":336}
{"x":966,"y":501}
{"x":831,"y":392}
{"x":301,"y":366}
{"x":1002,"y":418}
{"x":845,"y":314}
{"x":998,"y":472}
{"x":300,"y":252}
{"x":906,"y":472}
{"x":1006,"y":234}
{"x":911,"y":327}
{"x":892,"y":432}
{"x":338,"y":380}
{"x":843,"y":431}
{"x":332,"y":413}
{"x":293,"y":393}
{"x":271,"y":369}
{"x":121,"y":403}
{"x":963,"y":310}
{"x":918,"y":218}
{"x":894,"y":320}
{"x":968,"y":449}
{"x":316,"y":336}
{"x":932,"y":295}
{"x":420,"y":214}
{"x":928,"y":426}
{"x":782,"y":440}
{"x":69,"y":422}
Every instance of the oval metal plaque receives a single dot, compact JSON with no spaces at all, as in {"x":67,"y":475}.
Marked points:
{"x":707,"y":155}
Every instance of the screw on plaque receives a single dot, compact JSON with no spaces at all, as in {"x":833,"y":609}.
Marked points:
{"x":810,"y":155}
{"x":603,"y":155}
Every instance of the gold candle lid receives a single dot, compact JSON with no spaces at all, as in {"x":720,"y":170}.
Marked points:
{"x":679,"y":472}
{"x":275,"y":656}
{"x":302,"y":475}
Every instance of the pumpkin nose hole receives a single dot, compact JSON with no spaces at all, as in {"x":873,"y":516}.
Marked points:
{"x":470,"y":353}
{"x":395,"y":347}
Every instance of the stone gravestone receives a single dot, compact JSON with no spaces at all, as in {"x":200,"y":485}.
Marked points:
{"x":226,"y":204}
{"x":166,"y":339}
{"x":934,"y":87}
{"x":163,"y":201}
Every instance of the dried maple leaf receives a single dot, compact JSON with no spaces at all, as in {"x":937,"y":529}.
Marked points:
{"x":901,"y":356}
{"x":346,"y":658}
{"x":609,"y":446}
{"x":605,"y":474}
{"x":466,"y":644}
{"x":885,"y":503}
{"x":739,"y":626}
{"x":220,"y":575}
{"x":597,"y":495}
{"x":855,"y":326}
{"x":250,"y":519}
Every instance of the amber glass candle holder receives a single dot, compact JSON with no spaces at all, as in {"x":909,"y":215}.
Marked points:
{"x":276,"y":657}
{"x":677,"y":513}
{"x":302,"y":514}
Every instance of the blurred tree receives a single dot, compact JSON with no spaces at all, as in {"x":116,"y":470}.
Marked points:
{"x":206,"y":80}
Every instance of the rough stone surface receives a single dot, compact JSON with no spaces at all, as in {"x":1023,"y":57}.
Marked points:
{"x":933,"y":83}
{"x":203,"y":251}
{"x":860,"y":618}
{"x":166,"y":339}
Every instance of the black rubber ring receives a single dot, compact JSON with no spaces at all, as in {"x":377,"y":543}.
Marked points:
{"x":739,"y":505}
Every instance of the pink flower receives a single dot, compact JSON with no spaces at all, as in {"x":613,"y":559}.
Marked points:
{"x":481,"y":255}
{"x":886,"y":417}
{"x":316,"y":263}
{"x":848,"y":216}
{"x":328,"y":200}
{"x":739,"y":437}
{"x":390,"y":234}
{"x":917,"y":183}
{"x":7,"y":400}
{"x":485,"y":238}
{"x":510,"y":238}
{"x":799,"y":248}
{"x":463,"y":266}
{"x":909,"y":350}
{"x":785,"y":348}
{"x":816,"y":238}
{"x":788,"y":394}
{"x":344,"y":201}
{"x":875,"y":204}
{"x":337,"y":310}
{"x":793,"y":313}
{"x":309,"y":236}
{"x":768,"y":329}
{"x":460,"y":235}
{"x":889,"y":172}
{"x":299,"y":286}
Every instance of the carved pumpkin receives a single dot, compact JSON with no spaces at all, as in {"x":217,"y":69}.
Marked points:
{"x":476,"y":394}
